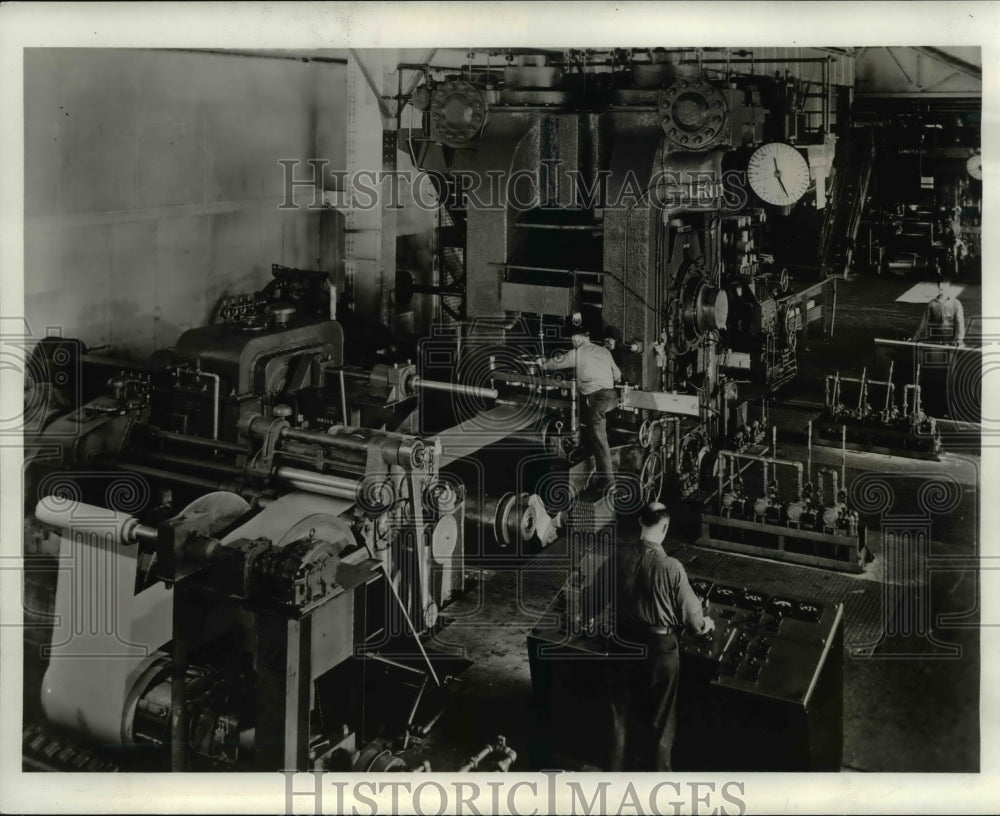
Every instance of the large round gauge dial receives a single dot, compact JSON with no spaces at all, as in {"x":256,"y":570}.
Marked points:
{"x":778,"y":173}
{"x":975,"y":166}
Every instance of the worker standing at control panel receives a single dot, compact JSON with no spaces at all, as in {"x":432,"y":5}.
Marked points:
{"x":596,"y":374}
{"x":653,"y":601}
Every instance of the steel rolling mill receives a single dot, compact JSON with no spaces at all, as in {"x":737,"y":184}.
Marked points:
{"x":286,"y":507}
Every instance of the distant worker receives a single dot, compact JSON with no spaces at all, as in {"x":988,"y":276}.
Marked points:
{"x":944,"y":318}
{"x":596,"y":374}
{"x":653,"y":601}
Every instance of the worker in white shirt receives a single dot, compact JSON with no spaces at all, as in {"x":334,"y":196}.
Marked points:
{"x":596,"y":374}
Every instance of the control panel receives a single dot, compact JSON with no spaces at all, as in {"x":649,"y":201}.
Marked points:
{"x":772,"y":645}
{"x":763,"y":691}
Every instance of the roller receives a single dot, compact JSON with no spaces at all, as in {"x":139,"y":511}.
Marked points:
{"x":454,"y":388}
{"x":376,"y":493}
{"x":508,"y":519}
{"x":67,"y":514}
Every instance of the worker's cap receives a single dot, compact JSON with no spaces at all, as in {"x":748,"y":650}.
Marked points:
{"x":583,"y":321}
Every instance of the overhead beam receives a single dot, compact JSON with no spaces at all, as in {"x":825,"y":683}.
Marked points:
{"x":967,"y":68}
{"x":840,"y":52}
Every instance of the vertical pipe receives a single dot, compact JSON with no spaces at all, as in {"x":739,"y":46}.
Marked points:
{"x":888,"y":388}
{"x":574,"y":410}
{"x":725,"y":412}
{"x":774,"y":441}
{"x":343,"y":400}
{"x":677,"y":444}
{"x":827,"y":101}
{"x":809,"y":449}
{"x":861,"y":390}
{"x":723,"y":466}
{"x":843,"y":454}
{"x":216,"y":388}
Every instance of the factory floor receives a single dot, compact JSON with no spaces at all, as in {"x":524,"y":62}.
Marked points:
{"x":912,"y":658}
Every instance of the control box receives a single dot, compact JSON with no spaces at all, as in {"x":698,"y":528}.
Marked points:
{"x":762,"y":692}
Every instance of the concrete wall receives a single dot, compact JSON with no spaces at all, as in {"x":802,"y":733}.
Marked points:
{"x":152,"y":185}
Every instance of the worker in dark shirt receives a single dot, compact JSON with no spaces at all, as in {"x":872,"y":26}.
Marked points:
{"x":944,"y":318}
{"x":944,"y":323}
{"x":596,"y":374}
{"x":653,"y":601}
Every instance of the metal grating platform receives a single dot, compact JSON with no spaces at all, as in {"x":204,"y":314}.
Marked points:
{"x":793,"y":423}
{"x":864,"y":620}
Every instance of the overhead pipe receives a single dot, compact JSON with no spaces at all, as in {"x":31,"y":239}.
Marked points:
{"x":756,"y":61}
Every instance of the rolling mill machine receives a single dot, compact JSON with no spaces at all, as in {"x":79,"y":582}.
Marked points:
{"x":634,"y":189}
{"x":298,"y":509}
{"x":610,"y":204}
{"x":620,"y":195}
{"x":307,"y":559}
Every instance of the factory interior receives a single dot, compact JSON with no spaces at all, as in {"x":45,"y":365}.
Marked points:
{"x":301,"y":493}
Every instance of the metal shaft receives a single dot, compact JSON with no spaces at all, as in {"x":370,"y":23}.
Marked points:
{"x":380,"y":493}
{"x":322,"y":479}
{"x":191,"y":462}
{"x":454,"y":388}
{"x":194,"y":441}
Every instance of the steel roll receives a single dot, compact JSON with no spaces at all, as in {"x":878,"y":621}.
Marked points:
{"x":68,"y":514}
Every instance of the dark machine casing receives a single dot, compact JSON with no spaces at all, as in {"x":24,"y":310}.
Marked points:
{"x":254,"y":368}
{"x":780,"y":713}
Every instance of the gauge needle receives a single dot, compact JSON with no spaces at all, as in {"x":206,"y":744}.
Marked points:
{"x":777,"y":175}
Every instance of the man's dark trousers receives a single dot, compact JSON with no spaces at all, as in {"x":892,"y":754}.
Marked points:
{"x":595,"y":406}
{"x":643,"y":704}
